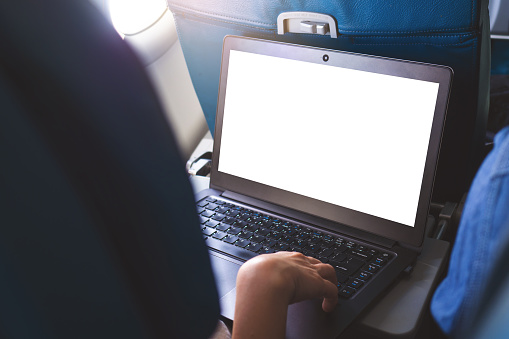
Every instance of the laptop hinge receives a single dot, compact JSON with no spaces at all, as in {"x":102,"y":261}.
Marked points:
{"x":326,"y":224}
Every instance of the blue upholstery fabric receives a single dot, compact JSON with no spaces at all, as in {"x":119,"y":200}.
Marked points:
{"x":453,"y":33}
{"x":482,"y":236}
{"x":99,"y":236}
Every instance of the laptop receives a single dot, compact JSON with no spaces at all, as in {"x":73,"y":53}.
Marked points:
{"x":329,"y":153}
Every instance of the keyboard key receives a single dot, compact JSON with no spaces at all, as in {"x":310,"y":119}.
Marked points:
{"x":232,"y":213}
{"x":219,"y":235}
{"x":306,"y":230}
{"x":264,"y":222}
{"x":207,"y":213}
{"x":280,"y":247}
{"x":299,"y":243}
{"x":317,"y":234}
{"x":289,"y":231}
{"x":328,"y":244}
{"x":328,"y":238}
{"x":262,"y":231}
{"x":313,"y":248}
{"x":371,"y":268}
{"x":346,"y":292}
{"x":342,"y":278}
{"x":211,"y":206}
{"x":365,"y":276}
{"x":265,"y":250}
{"x":222,"y":227}
{"x":222,"y":209}
{"x":245,"y":234}
{"x":340,"y":248}
{"x":202,"y":203}
{"x":259,"y":238}
{"x":234,"y":230}
{"x":286,"y":239}
{"x":277,"y":227}
{"x":218,"y":216}
{"x":230,"y":239}
{"x":356,"y":284}
{"x":350,"y":244}
{"x":242,"y":224}
{"x":274,"y":235}
{"x":211,"y":223}
{"x":348,"y":267}
{"x":326,"y":252}
{"x":242,"y":243}
{"x":253,"y":247}
{"x":373,"y":251}
{"x":379,"y":261}
{"x":360,"y":254}
{"x":228,"y":220}
{"x":302,"y":236}
{"x":339,"y":257}
{"x":243,"y":217}
{"x":267,"y":242}
{"x":208,"y":231}
{"x":315,"y":241}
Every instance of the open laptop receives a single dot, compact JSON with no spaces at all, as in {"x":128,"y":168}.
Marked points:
{"x":329,"y":153}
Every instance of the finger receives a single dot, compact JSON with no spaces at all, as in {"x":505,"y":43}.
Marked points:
{"x":330,"y":298}
{"x":314,"y":260}
{"x":326,"y":271}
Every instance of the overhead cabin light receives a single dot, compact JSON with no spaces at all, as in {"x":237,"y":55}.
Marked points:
{"x":130,"y":17}
{"x":146,"y":25}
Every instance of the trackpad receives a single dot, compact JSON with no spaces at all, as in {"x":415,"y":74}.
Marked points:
{"x":225,"y":272}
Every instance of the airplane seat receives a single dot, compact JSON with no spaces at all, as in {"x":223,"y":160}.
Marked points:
{"x":149,"y":29}
{"x":97,"y":215}
{"x":454,"y":33}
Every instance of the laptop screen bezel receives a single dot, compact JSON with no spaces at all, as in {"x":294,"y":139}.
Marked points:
{"x":368,"y":223}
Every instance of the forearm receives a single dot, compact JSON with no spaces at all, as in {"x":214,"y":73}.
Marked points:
{"x":262,"y":304}
{"x":267,"y":284}
{"x":259,"y":316}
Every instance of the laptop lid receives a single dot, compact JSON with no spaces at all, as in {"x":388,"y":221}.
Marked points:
{"x":347,"y":137}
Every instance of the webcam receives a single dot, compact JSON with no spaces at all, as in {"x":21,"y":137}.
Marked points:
{"x":325,"y":57}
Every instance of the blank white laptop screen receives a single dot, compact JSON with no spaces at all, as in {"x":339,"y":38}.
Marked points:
{"x":350,"y":138}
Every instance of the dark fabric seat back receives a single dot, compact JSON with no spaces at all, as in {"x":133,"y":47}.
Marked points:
{"x":99,"y":235}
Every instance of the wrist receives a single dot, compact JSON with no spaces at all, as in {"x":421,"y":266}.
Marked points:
{"x":262,"y":300}
{"x":267,"y":278}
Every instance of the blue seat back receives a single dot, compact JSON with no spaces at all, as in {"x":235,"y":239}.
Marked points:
{"x":452,"y":33}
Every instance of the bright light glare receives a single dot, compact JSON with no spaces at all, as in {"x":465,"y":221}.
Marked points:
{"x":133,"y":16}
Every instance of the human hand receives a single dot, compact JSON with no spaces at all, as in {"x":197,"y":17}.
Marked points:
{"x":294,"y":276}
{"x":268,"y":283}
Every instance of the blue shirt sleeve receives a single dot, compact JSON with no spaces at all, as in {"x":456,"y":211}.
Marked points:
{"x":481,"y":233}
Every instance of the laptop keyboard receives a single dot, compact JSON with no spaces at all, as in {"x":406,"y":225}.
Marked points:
{"x":237,"y":229}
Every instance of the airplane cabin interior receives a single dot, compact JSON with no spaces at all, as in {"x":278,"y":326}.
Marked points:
{"x":123,"y":217}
